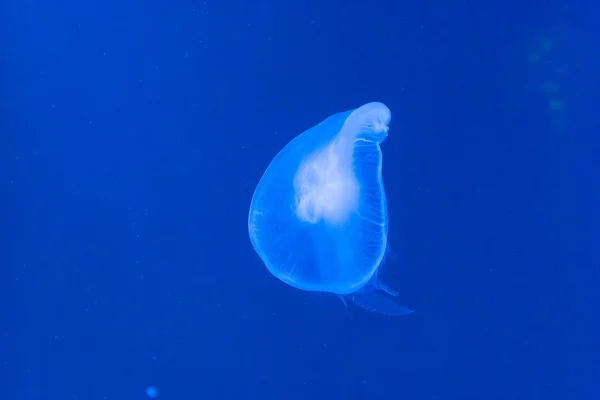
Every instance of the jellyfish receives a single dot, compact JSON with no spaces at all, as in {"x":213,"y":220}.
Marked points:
{"x":318,"y":218}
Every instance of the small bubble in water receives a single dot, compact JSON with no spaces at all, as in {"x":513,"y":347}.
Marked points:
{"x":152,"y":392}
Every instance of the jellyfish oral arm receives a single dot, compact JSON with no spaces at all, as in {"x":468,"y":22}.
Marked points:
{"x":325,"y":186}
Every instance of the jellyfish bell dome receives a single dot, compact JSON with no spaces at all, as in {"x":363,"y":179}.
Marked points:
{"x":318,"y":218}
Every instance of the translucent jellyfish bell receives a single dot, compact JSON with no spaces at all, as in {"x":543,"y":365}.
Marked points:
{"x":318,"y":217}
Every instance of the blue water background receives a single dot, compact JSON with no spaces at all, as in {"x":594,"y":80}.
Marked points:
{"x":133,"y":134}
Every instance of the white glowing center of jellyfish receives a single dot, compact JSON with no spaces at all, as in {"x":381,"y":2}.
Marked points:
{"x":325,"y":186}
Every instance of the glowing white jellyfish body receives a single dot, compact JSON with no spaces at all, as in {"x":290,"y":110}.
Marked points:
{"x":318,"y":217}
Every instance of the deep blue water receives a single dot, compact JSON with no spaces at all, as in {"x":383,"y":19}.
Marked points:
{"x":132,"y":137}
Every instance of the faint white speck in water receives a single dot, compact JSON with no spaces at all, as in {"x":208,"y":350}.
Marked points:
{"x":534,"y":58}
{"x":152,"y":392}
{"x":556,"y":105}
{"x":546,"y":44}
